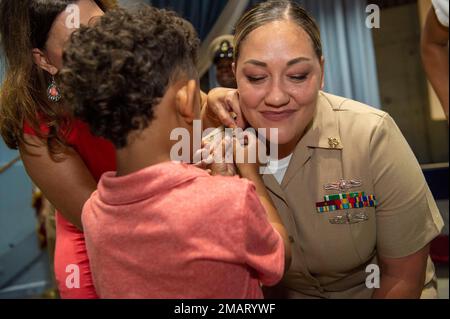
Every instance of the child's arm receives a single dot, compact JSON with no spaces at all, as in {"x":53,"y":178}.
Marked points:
{"x":251,"y":172}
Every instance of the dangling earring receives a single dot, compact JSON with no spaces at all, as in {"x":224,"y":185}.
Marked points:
{"x":53,"y":93}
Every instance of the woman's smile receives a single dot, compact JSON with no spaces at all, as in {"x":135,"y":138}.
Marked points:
{"x":277,"y":116}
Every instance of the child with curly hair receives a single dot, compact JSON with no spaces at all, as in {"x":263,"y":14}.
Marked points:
{"x":157,"y":228}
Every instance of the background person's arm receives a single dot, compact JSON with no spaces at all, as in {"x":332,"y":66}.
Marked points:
{"x":434,"y":48}
{"x":402,"y":278}
{"x":66,"y":183}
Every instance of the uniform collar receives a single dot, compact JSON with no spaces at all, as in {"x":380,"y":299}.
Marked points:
{"x":323,"y":132}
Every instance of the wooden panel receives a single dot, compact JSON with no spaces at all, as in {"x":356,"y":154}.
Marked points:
{"x":403,"y":84}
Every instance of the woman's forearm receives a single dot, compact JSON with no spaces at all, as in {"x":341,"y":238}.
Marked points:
{"x":397,"y":288}
{"x":402,"y":278}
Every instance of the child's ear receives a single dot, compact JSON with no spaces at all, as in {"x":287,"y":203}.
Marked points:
{"x":42,"y":62}
{"x":188,"y":101}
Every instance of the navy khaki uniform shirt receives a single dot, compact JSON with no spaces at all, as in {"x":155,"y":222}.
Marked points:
{"x":348,"y":141}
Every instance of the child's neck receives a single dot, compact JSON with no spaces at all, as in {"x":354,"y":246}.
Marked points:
{"x":142,"y":151}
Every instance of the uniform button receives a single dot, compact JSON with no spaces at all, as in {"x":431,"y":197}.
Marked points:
{"x":291,"y":239}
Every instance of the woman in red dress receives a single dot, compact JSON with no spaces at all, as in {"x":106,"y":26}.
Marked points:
{"x":58,"y":152}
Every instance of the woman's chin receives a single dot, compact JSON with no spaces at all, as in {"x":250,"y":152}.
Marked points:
{"x":282,"y":138}
{"x":276,"y":134}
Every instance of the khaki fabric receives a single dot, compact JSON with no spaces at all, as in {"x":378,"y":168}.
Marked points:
{"x":330,"y":260}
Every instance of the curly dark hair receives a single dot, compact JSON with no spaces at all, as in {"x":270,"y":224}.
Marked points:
{"x":118,"y":69}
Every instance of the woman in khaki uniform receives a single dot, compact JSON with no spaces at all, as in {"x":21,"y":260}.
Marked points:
{"x":347,"y":185}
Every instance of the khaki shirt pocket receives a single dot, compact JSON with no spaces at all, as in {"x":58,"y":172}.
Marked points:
{"x":361,"y":223}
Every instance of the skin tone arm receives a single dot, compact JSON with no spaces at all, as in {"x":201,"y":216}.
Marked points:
{"x":272,"y":214}
{"x":434,"y":47}
{"x":251,"y":172}
{"x":59,"y":179}
{"x":402,"y":278}
{"x":216,"y":112}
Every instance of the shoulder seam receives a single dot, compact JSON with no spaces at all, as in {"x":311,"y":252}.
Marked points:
{"x":378,"y":112}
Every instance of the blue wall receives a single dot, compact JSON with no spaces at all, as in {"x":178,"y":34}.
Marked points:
{"x":18,"y":237}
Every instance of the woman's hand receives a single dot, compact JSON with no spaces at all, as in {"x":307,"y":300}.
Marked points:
{"x":221,"y":102}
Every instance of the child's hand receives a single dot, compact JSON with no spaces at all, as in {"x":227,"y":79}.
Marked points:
{"x":222,"y":169}
{"x":213,"y":154}
{"x":220,"y":152}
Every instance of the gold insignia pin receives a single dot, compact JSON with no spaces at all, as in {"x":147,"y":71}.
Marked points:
{"x":224,"y":46}
{"x":333,"y":142}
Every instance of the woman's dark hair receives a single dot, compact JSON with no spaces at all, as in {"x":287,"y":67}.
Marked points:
{"x":117,"y":70}
{"x":276,"y":10}
{"x":25,"y":25}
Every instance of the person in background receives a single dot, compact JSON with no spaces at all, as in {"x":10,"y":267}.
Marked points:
{"x":434,"y":48}
{"x":221,"y":52}
{"x":157,"y":228}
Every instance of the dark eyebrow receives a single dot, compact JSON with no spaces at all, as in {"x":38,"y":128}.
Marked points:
{"x":256,"y":62}
{"x":292,"y":62}
{"x":298,"y":60}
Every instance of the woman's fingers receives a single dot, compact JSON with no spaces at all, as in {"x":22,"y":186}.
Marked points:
{"x":224,"y":116}
{"x":222,"y":105}
{"x":234,"y":109}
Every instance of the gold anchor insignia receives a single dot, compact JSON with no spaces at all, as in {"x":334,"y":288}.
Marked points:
{"x":224,"y":47}
{"x":333,"y":142}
